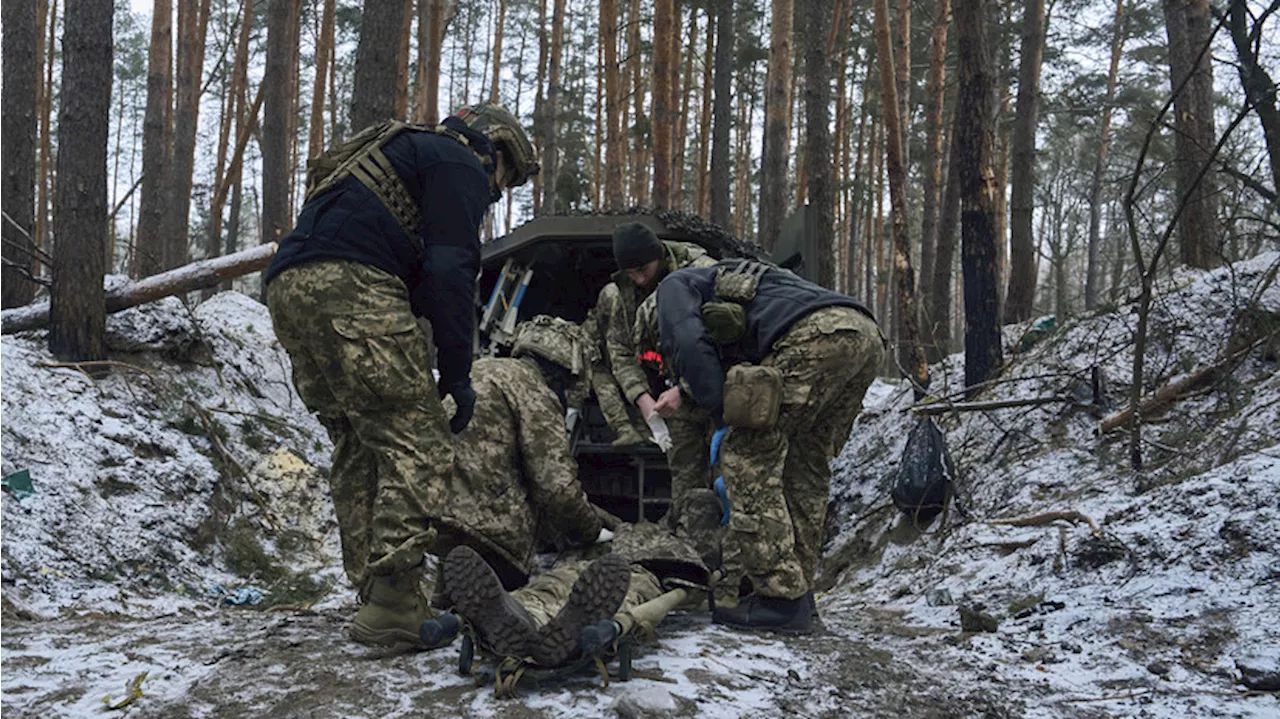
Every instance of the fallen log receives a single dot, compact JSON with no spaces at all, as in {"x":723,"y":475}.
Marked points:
{"x":935,"y":408}
{"x":188,"y":278}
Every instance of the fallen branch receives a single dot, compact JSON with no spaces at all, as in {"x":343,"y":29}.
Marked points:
{"x":934,"y":408}
{"x":195,"y":276}
{"x":1175,"y":388}
{"x":1046,"y":518}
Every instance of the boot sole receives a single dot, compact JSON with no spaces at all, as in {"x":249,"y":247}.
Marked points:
{"x":596,"y":595}
{"x":478,"y":596}
{"x":393,"y":638}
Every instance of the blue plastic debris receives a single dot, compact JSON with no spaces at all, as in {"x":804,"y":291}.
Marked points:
{"x":242,"y":595}
{"x":19,"y":484}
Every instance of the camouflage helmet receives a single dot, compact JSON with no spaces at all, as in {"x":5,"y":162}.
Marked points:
{"x":644,"y":333}
{"x":504,"y":130}
{"x":554,"y":339}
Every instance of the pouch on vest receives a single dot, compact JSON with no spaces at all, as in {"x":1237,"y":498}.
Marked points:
{"x":752,"y":396}
{"x":726,"y":322}
{"x":739,"y":283}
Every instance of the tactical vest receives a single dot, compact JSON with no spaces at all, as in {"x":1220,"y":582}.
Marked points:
{"x":362,"y":157}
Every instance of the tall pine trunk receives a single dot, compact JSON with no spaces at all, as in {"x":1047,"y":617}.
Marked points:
{"x":157,"y":135}
{"x":615,"y":142}
{"x":45,"y":165}
{"x":974,"y":173}
{"x":279,"y":89}
{"x":1022,"y":244}
{"x":324,"y":56}
{"x":702,"y":205}
{"x":1191,"y":76}
{"x":77,"y":311}
{"x":662,"y":115}
{"x":817,"y":125}
{"x":931,"y":181}
{"x":431,"y":26}
{"x":374,"y":92}
{"x":551,"y":110}
{"x":1093,"y":269}
{"x":721,"y":172}
{"x":777,"y":123}
{"x":497,"y":52}
{"x":18,"y":157}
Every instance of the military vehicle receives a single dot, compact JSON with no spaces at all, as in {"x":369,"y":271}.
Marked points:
{"x":557,"y":265}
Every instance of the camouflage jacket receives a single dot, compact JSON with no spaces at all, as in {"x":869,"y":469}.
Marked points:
{"x":622,"y":316}
{"x":514,"y":476}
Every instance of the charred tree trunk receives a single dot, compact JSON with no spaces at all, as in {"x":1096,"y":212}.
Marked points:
{"x":1022,"y":247}
{"x":721,"y":120}
{"x":157,"y":135}
{"x":373,"y":95}
{"x":974,"y":172}
{"x":1094,"y":267}
{"x":940,"y":289}
{"x":1191,"y":76}
{"x":18,"y":157}
{"x":777,"y":123}
{"x":77,"y":316}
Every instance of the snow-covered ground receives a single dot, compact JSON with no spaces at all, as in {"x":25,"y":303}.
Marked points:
{"x":193,"y":472}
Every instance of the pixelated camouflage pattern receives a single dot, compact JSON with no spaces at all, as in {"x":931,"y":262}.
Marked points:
{"x":548,"y":591}
{"x":555,"y":339}
{"x":623,"y":418}
{"x":361,"y":363}
{"x":621,"y":319}
{"x":515,"y":476}
{"x":779,"y":478}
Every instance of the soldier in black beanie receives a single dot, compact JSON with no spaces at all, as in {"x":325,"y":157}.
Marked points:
{"x":635,"y":245}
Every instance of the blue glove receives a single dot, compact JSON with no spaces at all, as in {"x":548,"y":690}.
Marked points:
{"x":725,"y":507}
{"x":716,"y":440}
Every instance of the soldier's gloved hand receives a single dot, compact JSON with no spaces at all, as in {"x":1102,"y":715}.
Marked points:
{"x":716,"y":440}
{"x":465,"y":397}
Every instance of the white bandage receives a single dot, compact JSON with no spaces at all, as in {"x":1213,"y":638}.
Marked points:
{"x":661,"y":435}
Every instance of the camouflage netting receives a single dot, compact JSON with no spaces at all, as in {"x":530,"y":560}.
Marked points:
{"x":688,"y":223}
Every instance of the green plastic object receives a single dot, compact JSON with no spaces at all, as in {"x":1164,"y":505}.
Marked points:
{"x":19,"y":484}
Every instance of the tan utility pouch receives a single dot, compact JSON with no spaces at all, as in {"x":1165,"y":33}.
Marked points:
{"x":752,"y":396}
{"x":739,"y":283}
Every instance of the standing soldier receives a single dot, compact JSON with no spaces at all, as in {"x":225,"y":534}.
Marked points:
{"x":617,"y":412}
{"x":799,"y":360}
{"x":390,"y":232}
{"x":643,"y":260}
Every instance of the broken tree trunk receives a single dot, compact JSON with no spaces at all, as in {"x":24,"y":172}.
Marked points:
{"x":188,"y":278}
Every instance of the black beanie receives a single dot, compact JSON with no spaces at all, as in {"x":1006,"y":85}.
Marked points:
{"x":635,"y":245}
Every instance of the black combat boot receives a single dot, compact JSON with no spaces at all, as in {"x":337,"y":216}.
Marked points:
{"x":776,"y":614}
{"x":504,"y":626}
{"x":597,"y":594}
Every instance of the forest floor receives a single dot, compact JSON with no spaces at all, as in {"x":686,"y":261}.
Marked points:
{"x":192,"y":475}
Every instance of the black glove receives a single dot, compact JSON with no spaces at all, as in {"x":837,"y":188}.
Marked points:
{"x":465,"y":397}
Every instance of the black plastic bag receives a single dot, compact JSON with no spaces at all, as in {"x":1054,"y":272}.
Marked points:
{"x":926,"y":473}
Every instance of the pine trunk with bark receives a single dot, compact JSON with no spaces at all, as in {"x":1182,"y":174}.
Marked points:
{"x":499,"y":24}
{"x":324,"y":56}
{"x":681,"y":129}
{"x":401,"y":111}
{"x":279,"y":88}
{"x":77,"y":315}
{"x":157,"y":135}
{"x":551,"y":110}
{"x":663,"y":10}
{"x":18,"y":156}
{"x":910,"y":353}
{"x":975,"y":175}
{"x":193,"y":23}
{"x":1258,"y":85}
{"x":1191,"y":74}
{"x":431,"y":26}
{"x":940,"y":289}
{"x":374,"y":90}
{"x":931,"y":180}
{"x":777,"y":123}
{"x":615,"y":142}
{"x":721,"y":172}
{"x":702,"y":205}
{"x":1022,"y":244}
{"x":1093,"y":268}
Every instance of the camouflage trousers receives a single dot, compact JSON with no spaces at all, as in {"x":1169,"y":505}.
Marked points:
{"x":694,"y":513}
{"x":547,"y":592}
{"x":361,"y":362}
{"x":779,"y":478}
{"x":617,"y":412}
